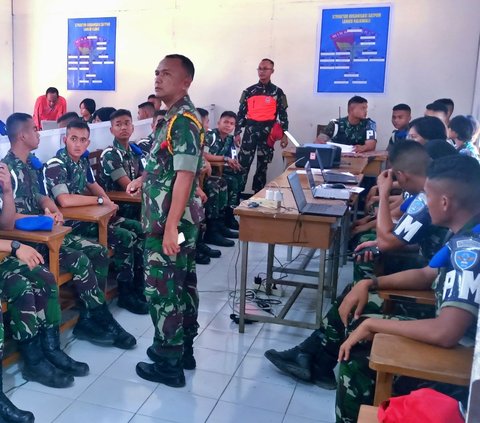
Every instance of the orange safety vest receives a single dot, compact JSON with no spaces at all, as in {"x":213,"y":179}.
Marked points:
{"x":261,"y":108}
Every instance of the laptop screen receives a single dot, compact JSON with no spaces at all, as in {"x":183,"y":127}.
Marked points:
{"x":297,"y":191}
{"x":311,"y":180}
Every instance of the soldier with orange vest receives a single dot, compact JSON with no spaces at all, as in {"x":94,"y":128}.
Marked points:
{"x":261,"y":106}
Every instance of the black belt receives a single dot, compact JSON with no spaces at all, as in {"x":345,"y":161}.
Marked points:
{"x":260,"y":122}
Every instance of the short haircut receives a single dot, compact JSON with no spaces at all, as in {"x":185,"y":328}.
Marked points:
{"x":402,"y":106}
{"x":104,"y":113}
{"x":68,"y":116}
{"x":463,"y":126}
{"x":52,"y":90}
{"x":229,"y":113}
{"x":269,"y":61}
{"x":429,"y":128}
{"x":120,"y":112}
{"x":187,"y":64}
{"x":356,"y":99}
{"x":202,"y":112}
{"x":409,"y":157}
{"x":78,"y":124}
{"x":440,"y":148}
{"x":15,"y":124}
{"x":89,"y":104}
{"x":462,"y":176}
{"x":437,"y":106}
{"x":447,"y":101}
{"x":146,"y":104}
{"x":151,"y":96}
{"x":159,"y":113}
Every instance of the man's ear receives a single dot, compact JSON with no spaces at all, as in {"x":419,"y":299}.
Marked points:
{"x":111,"y":130}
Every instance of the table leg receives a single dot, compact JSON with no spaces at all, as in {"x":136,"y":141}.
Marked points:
{"x":321,"y":278}
{"x":243,"y":286}
{"x":383,"y":387}
{"x":270,"y":258}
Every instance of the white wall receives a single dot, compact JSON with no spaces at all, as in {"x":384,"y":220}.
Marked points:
{"x":433,"y":52}
{"x":6,"y":59}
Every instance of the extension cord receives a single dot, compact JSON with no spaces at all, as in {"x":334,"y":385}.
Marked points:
{"x":276,"y":292}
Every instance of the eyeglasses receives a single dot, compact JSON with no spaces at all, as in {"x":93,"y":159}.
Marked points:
{"x":77,"y":140}
{"x":264,"y":69}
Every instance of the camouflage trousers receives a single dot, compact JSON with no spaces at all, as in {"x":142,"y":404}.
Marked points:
{"x":129,"y":211}
{"x":126,"y":238}
{"x":88,"y":263}
{"x":32,"y":298}
{"x":234,"y":185}
{"x":217,"y":192}
{"x":171,"y":291}
{"x":364,"y":270}
{"x":255,"y":139}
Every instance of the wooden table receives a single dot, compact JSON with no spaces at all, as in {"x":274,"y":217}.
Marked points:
{"x":368,"y":414}
{"x":123,"y":197}
{"x":99,"y":214}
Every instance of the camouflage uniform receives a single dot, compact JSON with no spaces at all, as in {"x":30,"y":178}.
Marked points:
{"x":117,"y":162}
{"x":218,"y":147}
{"x":217,"y":193}
{"x":356,"y":383}
{"x":145,"y":144}
{"x":260,"y":106}
{"x":171,"y":281}
{"x":85,"y":260}
{"x":64,"y":176}
{"x":343,"y":132}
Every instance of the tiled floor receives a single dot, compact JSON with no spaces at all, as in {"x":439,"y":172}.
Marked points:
{"x":233,"y":382}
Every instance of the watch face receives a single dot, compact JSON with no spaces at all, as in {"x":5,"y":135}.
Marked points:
{"x":15,"y":244}
{"x":100,"y":200}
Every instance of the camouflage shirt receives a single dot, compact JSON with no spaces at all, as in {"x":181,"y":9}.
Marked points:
{"x":117,"y":162}
{"x":177,"y":147}
{"x":216,"y":146}
{"x":343,"y":132}
{"x":468,"y":149}
{"x":27,"y":183}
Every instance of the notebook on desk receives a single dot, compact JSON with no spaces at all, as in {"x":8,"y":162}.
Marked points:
{"x":319,"y":191}
{"x":332,"y":177}
{"x":304,"y":207}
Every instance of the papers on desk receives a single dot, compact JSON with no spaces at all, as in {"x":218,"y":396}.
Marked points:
{"x":316,"y":171}
{"x":344,"y":148}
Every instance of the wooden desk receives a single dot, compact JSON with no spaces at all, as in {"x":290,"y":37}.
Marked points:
{"x":285,"y":226}
{"x":368,"y":414}
{"x":99,"y":214}
{"x":123,"y":197}
{"x":395,"y":355}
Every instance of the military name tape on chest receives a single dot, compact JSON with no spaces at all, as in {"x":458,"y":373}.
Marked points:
{"x":463,"y":281}
{"x":416,"y":217}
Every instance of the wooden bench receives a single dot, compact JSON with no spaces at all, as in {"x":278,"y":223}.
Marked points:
{"x":426,"y":297}
{"x":395,"y":355}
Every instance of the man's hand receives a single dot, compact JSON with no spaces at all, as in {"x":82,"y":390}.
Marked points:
{"x":385,"y":182}
{"x":5,"y":179}
{"x":199,"y":192}
{"x":367,"y":255}
{"x":234,"y":164}
{"x":170,"y":242}
{"x":207,"y":168}
{"x":284,"y":141}
{"x":135,"y":187}
{"x":322,"y":138}
{"x":362,"y":333}
{"x":355,"y":301}
{"x":237,"y":140}
{"x":56,"y":215}
{"x":29,"y":256}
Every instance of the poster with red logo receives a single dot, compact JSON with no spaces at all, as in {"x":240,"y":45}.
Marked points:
{"x":91,"y":54}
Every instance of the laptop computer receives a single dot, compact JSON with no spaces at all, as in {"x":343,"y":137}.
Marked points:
{"x":304,"y":207}
{"x":334,"y":177}
{"x":319,"y":191}
{"x":49,"y":124}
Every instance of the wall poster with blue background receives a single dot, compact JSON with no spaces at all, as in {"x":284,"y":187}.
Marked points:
{"x":353,"y":50}
{"x":91,"y":54}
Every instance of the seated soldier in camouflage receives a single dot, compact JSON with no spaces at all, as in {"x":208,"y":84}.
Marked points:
{"x":452,"y":190}
{"x":145,"y":144}
{"x":220,"y":148}
{"x":71,"y":183}
{"x":123,"y":162}
{"x":409,"y":163}
{"x":87,"y":261}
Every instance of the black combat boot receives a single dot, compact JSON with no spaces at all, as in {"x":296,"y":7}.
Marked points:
{"x":50,"y":339}
{"x":201,"y":258}
{"x":230,"y":221}
{"x":122,"y":339}
{"x":8,"y":412}
{"x":226,"y":232}
{"x":168,"y":371}
{"x":128,"y":298}
{"x":206,"y":250}
{"x":298,"y":361}
{"x":37,"y":368}
{"x":188,"y":360}
{"x":214,"y":236}
{"x":88,"y":329}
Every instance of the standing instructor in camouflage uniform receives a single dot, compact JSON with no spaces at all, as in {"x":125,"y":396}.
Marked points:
{"x":170,"y":209}
{"x":260,"y":107}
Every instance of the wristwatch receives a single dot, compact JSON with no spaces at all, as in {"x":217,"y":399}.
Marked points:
{"x":100,"y":200}
{"x":15,"y":246}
